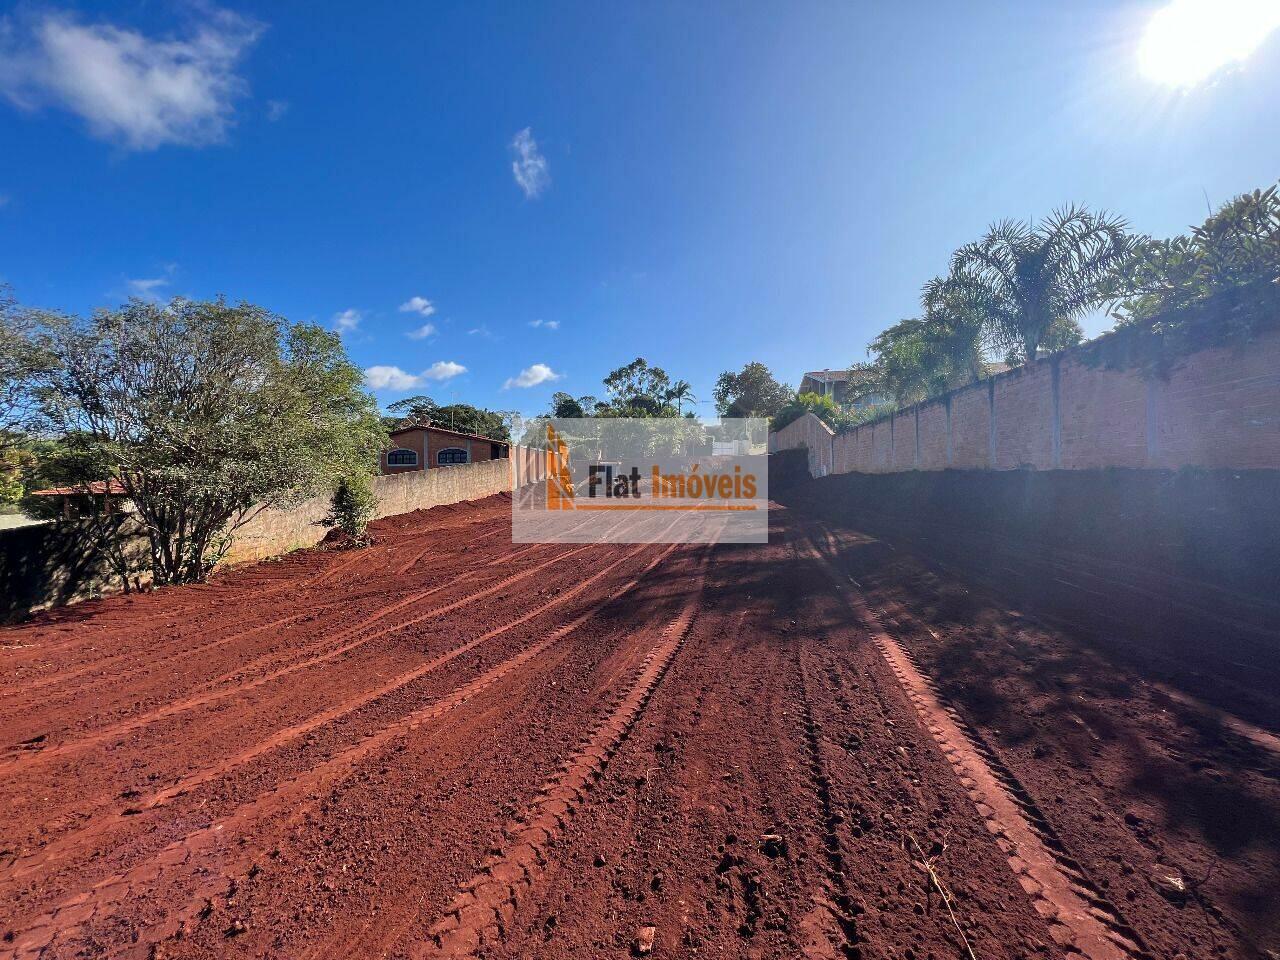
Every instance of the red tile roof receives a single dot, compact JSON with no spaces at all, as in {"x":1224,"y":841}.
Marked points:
{"x":452,"y":433}
{"x":96,"y":487}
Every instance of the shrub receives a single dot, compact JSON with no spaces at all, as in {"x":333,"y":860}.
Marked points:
{"x":352,"y":506}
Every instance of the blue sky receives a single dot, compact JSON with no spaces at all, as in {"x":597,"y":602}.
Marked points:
{"x":565,"y":186}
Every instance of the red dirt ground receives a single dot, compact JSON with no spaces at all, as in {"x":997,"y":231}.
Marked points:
{"x":448,"y":745}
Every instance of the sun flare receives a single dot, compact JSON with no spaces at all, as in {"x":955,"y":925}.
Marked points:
{"x":1189,"y":41}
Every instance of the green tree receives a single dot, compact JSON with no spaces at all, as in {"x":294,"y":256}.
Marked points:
{"x":24,"y":360}
{"x":465,"y":418}
{"x":911,"y":365}
{"x":412,"y":411}
{"x":1028,"y":281}
{"x":639,"y":390}
{"x":821,"y":406}
{"x":751,"y":392}
{"x":1217,"y":285}
{"x":204,"y":411}
{"x":564,"y":406}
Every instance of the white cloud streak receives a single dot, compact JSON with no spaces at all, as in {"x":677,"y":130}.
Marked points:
{"x":443,"y":370}
{"x":531,"y":376}
{"x":348,"y":321}
{"x":530,"y":167}
{"x":141,"y":92}
{"x":422,"y":332}
{"x":545,"y":324}
{"x":149,"y":288}
{"x":418,"y":305}
{"x":386,"y":377}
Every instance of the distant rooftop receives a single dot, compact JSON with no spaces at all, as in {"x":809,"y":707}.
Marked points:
{"x":855,"y":374}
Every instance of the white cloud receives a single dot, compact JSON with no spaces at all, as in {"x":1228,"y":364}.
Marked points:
{"x":347,"y":321}
{"x":422,"y":332}
{"x":276,"y":109}
{"x":149,"y":288}
{"x":530,"y":167}
{"x":443,"y":370}
{"x":418,"y":305}
{"x":132,"y":89}
{"x":545,"y":324}
{"x":393,"y":378}
{"x":532,"y":376}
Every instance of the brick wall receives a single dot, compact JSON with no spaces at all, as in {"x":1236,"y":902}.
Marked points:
{"x":1219,"y":409}
{"x":904,"y":441}
{"x":809,"y":433}
{"x":272,"y":532}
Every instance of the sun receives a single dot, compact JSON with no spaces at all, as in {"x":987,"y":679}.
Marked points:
{"x":1189,"y":41}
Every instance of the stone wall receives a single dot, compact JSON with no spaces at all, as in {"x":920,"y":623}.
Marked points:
{"x":272,"y":532}
{"x":1218,"y":409}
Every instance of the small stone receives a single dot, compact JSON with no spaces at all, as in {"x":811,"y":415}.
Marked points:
{"x":1172,"y":888}
{"x":600,"y":861}
{"x":237,"y":927}
{"x":773,"y":846}
{"x":644,"y":940}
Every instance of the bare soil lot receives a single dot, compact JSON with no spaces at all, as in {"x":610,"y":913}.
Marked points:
{"x":449,"y":745}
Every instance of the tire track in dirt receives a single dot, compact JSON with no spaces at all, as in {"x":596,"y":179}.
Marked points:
{"x":68,"y":920}
{"x":839,"y":902}
{"x":178,"y":601}
{"x":67,"y":844}
{"x":1078,"y":915}
{"x":488,"y":901}
{"x":187,"y":704}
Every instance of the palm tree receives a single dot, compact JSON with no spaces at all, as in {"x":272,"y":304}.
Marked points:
{"x":955,"y":328}
{"x":1033,"y":282}
{"x":679,"y":393}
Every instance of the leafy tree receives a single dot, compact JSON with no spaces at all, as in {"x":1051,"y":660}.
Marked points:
{"x":1218,"y":285}
{"x":821,"y":406}
{"x":639,"y":390}
{"x":751,"y":392}
{"x":353,"y":505}
{"x":11,"y":487}
{"x":422,"y":411}
{"x":1027,"y":281}
{"x":413,"y":411}
{"x":204,"y":410}
{"x":911,"y":363}
{"x":465,"y":418}
{"x":24,"y":359}
{"x":566,"y":407}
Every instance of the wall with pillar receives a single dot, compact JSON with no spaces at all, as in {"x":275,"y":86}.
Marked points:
{"x":1217,"y":409}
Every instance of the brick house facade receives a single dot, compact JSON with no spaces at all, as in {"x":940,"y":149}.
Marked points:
{"x":421,"y":448}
